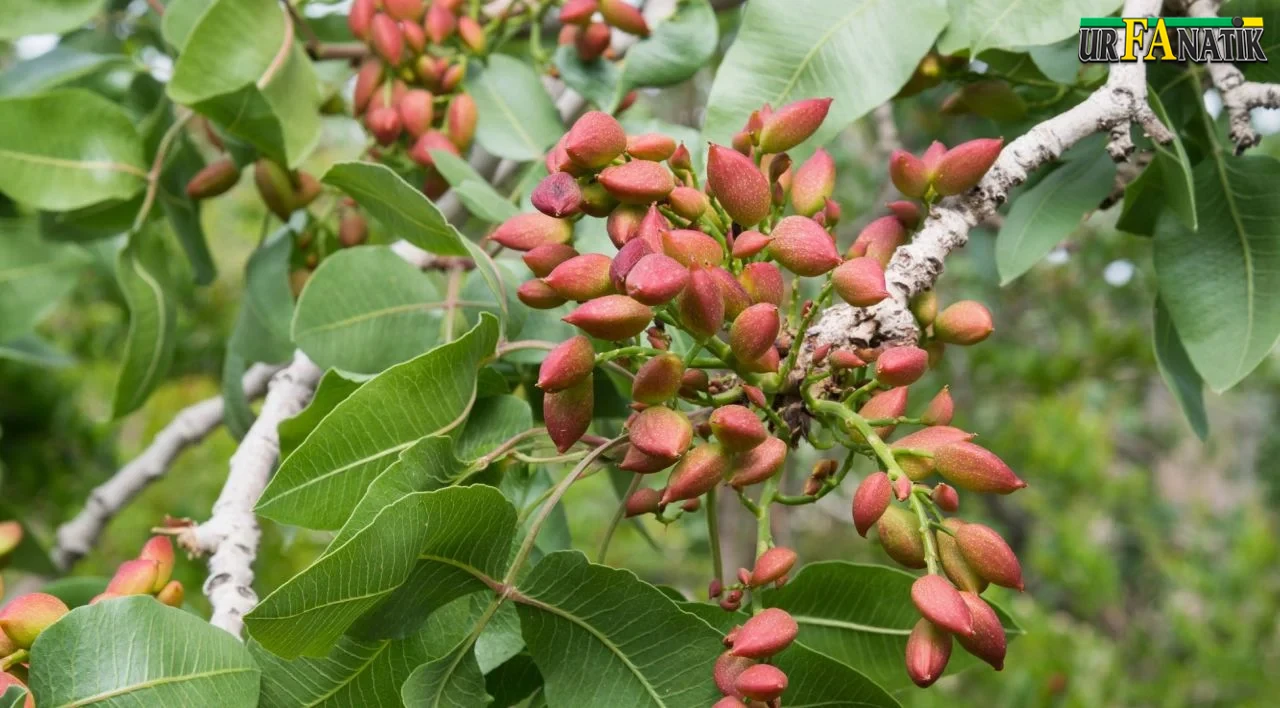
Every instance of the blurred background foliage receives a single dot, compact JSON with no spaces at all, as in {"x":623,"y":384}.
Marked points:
{"x":1151,"y":557}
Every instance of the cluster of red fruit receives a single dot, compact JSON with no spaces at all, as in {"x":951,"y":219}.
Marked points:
{"x":590,"y":37}
{"x":26,"y":616}
{"x":420,"y":53}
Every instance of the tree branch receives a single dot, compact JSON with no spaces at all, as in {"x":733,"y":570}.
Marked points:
{"x":193,"y":424}
{"x":1239,"y":96}
{"x":916,"y":266}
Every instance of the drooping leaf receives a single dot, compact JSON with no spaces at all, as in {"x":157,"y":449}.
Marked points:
{"x":860,"y":615}
{"x":30,"y":349}
{"x":678,"y":47}
{"x":1059,"y":61}
{"x":142,"y":273}
{"x":34,"y":275}
{"x":365,"y":309}
{"x":243,"y":68}
{"x":431,"y":542}
{"x":333,"y":389}
{"x":517,"y":119}
{"x":261,"y":333}
{"x":1219,"y":282}
{"x":60,"y":65}
{"x":23,"y":17}
{"x":180,"y":17}
{"x":1178,"y":373}
{"x":597,"y":80}
{"x":183,"y":212}
{"x":1048,"y":212}
{"x":858,"y":52}
{"x":133,"y":651}
{"x":68,"y":148}
{"x":321,"y":482}
{"x":451,"y":681}
{"x":1009,"y":24}
{"x":475,"y":193}
{"x":237,"y":412}
{"x":1175,"y":170}
{"x":601,"y":636}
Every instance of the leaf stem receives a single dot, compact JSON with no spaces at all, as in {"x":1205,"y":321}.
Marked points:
{"x":618,"y":515}
{"x":805,"y":321}
{"x":13,"y":659}
{"x":713,"y":535}
{"x":764,"y":532}
{"x":157,"y":166}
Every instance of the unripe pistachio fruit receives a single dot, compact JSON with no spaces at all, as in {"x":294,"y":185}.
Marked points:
{"x":939,"y":602}
{"x":692,"y":248}
{"x":870,"y":501}
{"x":568,"y":364}
{"x":595,"y":140}
{"x":975,"y":468}
{"x":612,"y":317}
{"x":762,"y":682}
{"x":860,"y":282}
{"x":524,"y":232}
{"x":642,"y":501}
{"x":965,"y":322}
{"x":651,"y":146}
{"x":658,"y":379}
{"x":688,"y":202}
{"x":749,"y":243}
{"x":582,"y":278}
{"x":879,"y":240}
{"x":928,"y":440}
{"x":638,"y":182}
{"x":737,"y":428}
{"x":696,"y":474}
{"x":765,"y":634}
{"x":10,"y":536}
{"x":901,"y":366}
{"x":759,"y":463}
{"x":26,"y":616}
{"x":538,"y":295}
{"x":460,"y":120}
{"x":928,"y":651}
{"x":732,"y":178}
{"x":656,"y":279}
{"x":940,"y":410}
{"x":754,"y":331}
{"x":543,"y":259}
{"x":964,"y":165}
{"x":701,"y":305}
{"x":813,"y":183}
{"x":726,"y":671}
{"x":989,"y":555}
{"x":171,"y":594}
{"x":624,"y":16}
{"x":988,"y":641}
{"x":557,"y":195}
{"x":899,"y":533}
{"x":763,"y":282}
{"x":659,"y":431}
{"x":160,"y":550}
{"x":803,"y":247}
{"x":772,"y":565}
{"x":567,"y":413}
{"x":214,"y":179}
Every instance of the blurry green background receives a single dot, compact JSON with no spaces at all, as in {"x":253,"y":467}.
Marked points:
{"x":1151,"y":557}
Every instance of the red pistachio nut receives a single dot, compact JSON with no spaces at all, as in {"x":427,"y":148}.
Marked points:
{"x":762,"y":682}
{"x":940,"y":409}
{"x":172,"y":594}
{"x":472,"y":34}
{"x":656,"y":279}
{"x":624,"y":16}
{"x":460,"y":120}
{"x":899,"y":533}
{"x":754,"y":331}
{"x":737,"y":428}
{"x":26,"y":616}
{"x":623,"y":223}
{"x":763,"y":283}
{"x":767,"y":633}
{"x":845,"y":359}
{"x":886,"y":404}
{"x":543,"y":259}
{"x":726,"y":702}
{"x":651,"y":146}
{"x":741,"y":142}
{"x":160,"y":550}
{"x":386,"y":39}
{"x":440,"y":23}
{"x":557,"y":195}
{"x":360,"y":17}
{"x":592,"y":41}
{"x":626,"y":259}
{"x":972,"y":467}
{"x":135,"y":577}
{"x":988,"y":554}
{"x":906,"y":212}
{"x":940,"y":603}
{"x":693,"y":381}
{"x":567,"y":365}
{"x":759,"y":463}
{"x":524,"y":232}
{"x":988,"y":641}
{"x":736,"y":299}
{"x":749,"y":243}
{"x":965,"y":322}
{"x":688,"y":202}
{"x":772,"y":565}
{"x":583,"y":277}
{"x":691,"y":505}
{"x":658,"y":431}
{"x":696,"y":474}
{"x":578,"y":12}
{"x":638,"y":182}
{"x":929,"y":440}
{"x":701,"y":305}
{"x":612,"y":317}
{"x":803,"y":247}
{"x":963,"y":166}
{"x":538,"y":295}
{"x":860,"y":282}
{"x":932,"y":156}
{"x":405,"y":9}
{"x":726,"y":671}
{"x":928,"y":650}
{"x":908,"y":174}
{"x":658,"y":379}
{"x":567,"y":413}
{"x":367,"y":80}
{"x":953,"y":562}
{"x":692,"y":248}
{"x":924,"y":306}
{"x":813,"y":183}
{"x":652,"y":227}
{"x":643,"y":501}
{"x":732,"y":601}
{"x":754,"y":395}
{"x":353,"y":230}
{"x":10,"y":536}
{"x":732,"y":178}
{"x":870,"y":500}
{"x":640,"y":463}
{"x":214,"y":179}
{"x":680,"y":160}
{"x":432,"y":140}
{"x":946,"y":497}
{"x":879,"y":240}
{"x":595,"y":140}
{"x":792,"y":124}
{"x":901,"y":366}
{"x":451,"y":77}
{"x":414,"y":36}
{"x":715,"y":588}
{"x":766,"y":364}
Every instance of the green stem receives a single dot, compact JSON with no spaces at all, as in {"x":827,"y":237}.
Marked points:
{"x":853,"y":395}
{"x":798,"y":340}
{"x":713,"y":536}
{"x":13,"y":659}
{"x":618,"y":515}
{"x":764,"y":533}
{"x":626,"y":351}
{"x":528,"y":459}
{"x":692,"y":354}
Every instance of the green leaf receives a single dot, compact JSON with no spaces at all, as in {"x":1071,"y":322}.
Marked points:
{"x":518,"y":120}
{"x":365,"y":309}
{"x":180,"y":17}
{"x":243,"y":68}
{"x":858,"y":52}
{"x":1175,"y":170}
{"x":333,"y":389}
{"x":1050,"y":211}
{"x":475,"y":193}
{"x":432,"y":543}
{"x":408,"y":214}
{"x":13,"y":697}
{"x":1009,"y":24}
{"x":1219,"y":283}
{"x":113,"y":217}
{"x":1263,"y":71}
{"x":76,"y":591}
{"x":262,"y":327}
{"x":184,"y":212}
{"x":1178,"y":373}
{"x":61,"y":65}
{"x":677,"y":48}
{"x":597,"y":80}
{"x":34,"y":275}
{"x":1059,"y":61}
{"x":453,"y":680}
{"x":860,"y":615}
{"x":67,"y":149}
{"x":153,"y":317}
{"x":321,"y":482}
{"x":492,"y":421}
{"x":135,"y":651}
{"x":23,"y":17}
{"x":30,"y":349}
{"x":513,"y":682}
{"x":1144,"y":202}
{"x":603,"y":637}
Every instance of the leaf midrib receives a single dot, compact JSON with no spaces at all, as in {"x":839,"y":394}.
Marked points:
{"x":808,"y":57}
{"x":87,"y":165}
{"x":388,"y":312}
{"x":145,"y":685}
{"x":161,"y":330}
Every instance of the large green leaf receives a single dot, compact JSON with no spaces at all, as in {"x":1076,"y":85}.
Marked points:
{"x":1177,"y":371}
{"x":1219,"y":282}
{"x":859,"y":52}
{"x":67,"y":149}
{"x":56,"y":67}
{"x":1175,"y":169}
{"x":678,"y":47}
{"x":1048,"y":212}
{"x":34,"y":275}
{"x":142,"y":273}
{"x":493,"y":421}
{"x":365,"y":309}
{"x":183,"y":212}
{"x":452,"y":681}
{"x":134,"y":651}
{"x":518,"y":120}
{"x":1010,"y":24}
{"x":596,"y":81}
{"x":35,"y":351}
{"x":476,"y":194}
{"x":262,"y":327}
{"x":861,"y":616}
{"x":243,"y":68}
{"x":332,"y":390}
{"x":321,"y":482}
{"x":455,"y":534}
{"x":23,"y":17}
{"x":180,"y":17}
